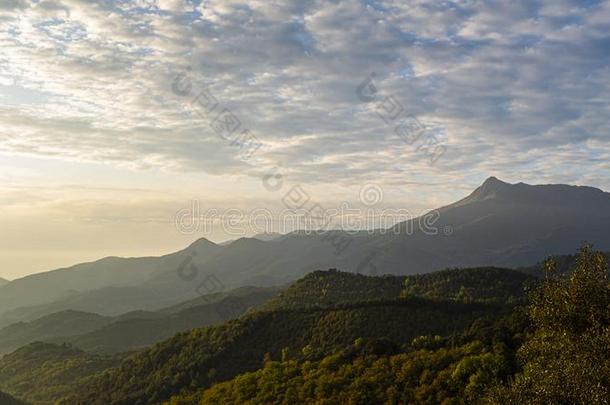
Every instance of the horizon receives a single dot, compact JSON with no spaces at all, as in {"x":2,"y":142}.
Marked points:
{"x":252,"y":234}
{"x":116,"y":115}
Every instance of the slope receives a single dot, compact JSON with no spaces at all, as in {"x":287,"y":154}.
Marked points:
{"x":203,"y":356}
{"x":133,"y":330}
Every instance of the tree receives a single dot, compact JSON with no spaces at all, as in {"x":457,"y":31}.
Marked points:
{"x":567,"y":358}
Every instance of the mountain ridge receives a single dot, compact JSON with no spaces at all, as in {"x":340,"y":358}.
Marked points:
{"x":498,"y":224}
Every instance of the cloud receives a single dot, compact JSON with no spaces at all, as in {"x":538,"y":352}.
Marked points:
{"x":520,"y":86}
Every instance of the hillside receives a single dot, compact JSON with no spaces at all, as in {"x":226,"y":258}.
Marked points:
{"x":91,"y":287}
{"x":135,"y":331}
{"x":331,"y":288}
{"x":204,"y":356}
{"x":58,"y":325}
{"x":554,"y":353}
{"x":42,"y":372}
{"x":3,"y":281}
{"x":98,"y":334}
{"x":297,"y":323}
{"x":367,"y":372}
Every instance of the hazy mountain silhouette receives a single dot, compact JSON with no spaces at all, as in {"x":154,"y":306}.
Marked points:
{"x":62,"y":324}
{"x":507,"y":225}
{"x":83,"y":285}
{"x":3,"y":281}
{"x":267,"y":236}
{"x":498,"y":224}
{"x":132,"y":330}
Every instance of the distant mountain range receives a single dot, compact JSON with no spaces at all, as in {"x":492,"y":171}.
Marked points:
{"x":134,"y":330}
{"x":498,"y":224}
{"x":3,"y":281}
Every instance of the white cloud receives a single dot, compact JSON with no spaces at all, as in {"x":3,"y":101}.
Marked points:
{"x":494,"y":77}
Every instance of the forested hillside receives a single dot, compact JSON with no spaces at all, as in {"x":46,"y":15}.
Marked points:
{"x":455,"y":336}
{"x":318,"y":315}
{"x":329,"y":288}
{"x":42,"y":372}
{"x":555,"y":353}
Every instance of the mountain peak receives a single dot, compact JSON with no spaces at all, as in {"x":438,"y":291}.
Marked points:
{"x":490,"y":188}
{"x":560,"y":196}
{"x":493,"y":180}
{"x":201,"y":245}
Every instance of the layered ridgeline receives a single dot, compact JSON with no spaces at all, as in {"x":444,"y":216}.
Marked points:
{"x":102,"y":334}
{"x":323,"y":313}
{"x":500,"y":224}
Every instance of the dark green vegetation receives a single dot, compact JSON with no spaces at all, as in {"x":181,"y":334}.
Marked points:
{"x":487,"y":284}
{"x":558,"y":352}
{"x":368,"y":372}
{"x":106,"y":335}
{"x":451,"y":337}
{"x":204,"y":356}
{"x":6,"y":399}
{"x":567,"y":357}
{"x":300,"y":326}
{"x":42,"y":372}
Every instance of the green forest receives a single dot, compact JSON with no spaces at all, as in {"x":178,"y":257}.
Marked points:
{"x":479,"y":335}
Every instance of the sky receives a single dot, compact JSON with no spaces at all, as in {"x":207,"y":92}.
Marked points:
{"x":118,"y":119}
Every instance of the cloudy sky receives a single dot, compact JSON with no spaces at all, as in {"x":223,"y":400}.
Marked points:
{"x":115,"y":115}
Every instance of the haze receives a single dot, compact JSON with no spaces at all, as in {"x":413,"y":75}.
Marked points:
{"x":98,"y":151}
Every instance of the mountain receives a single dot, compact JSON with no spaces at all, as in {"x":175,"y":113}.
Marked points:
{"x":137,"y":331}
{"x":455,"y":336}
{"x":109,"y":286}
{"x":498,"y":224}
{"x":61,"y":324}
{"x":295,"y":324}
{"x":506,"y":225}
{"x":3,"y":281}
{"x":267,"y":236}
{"x":134,"y":330}
{"x":202,"y":356}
